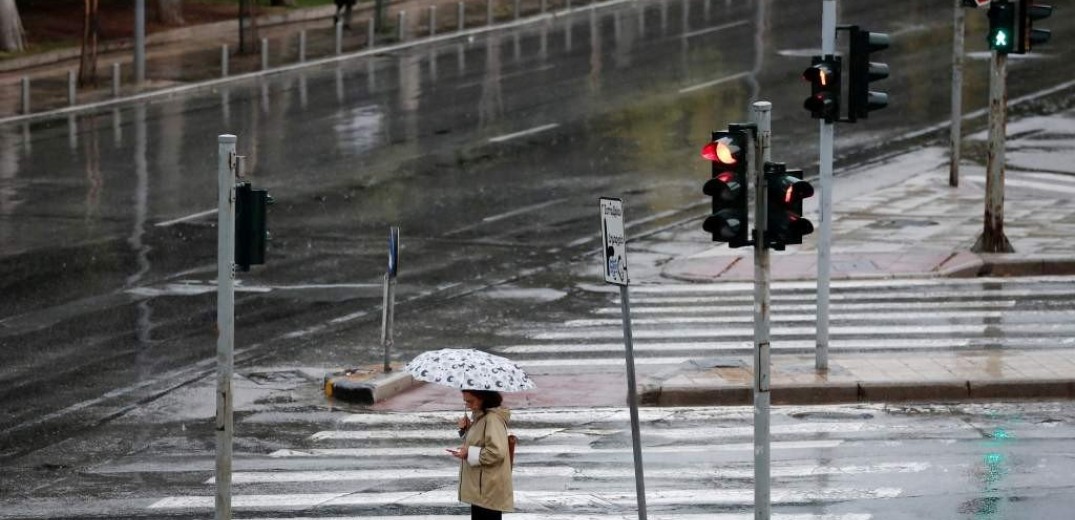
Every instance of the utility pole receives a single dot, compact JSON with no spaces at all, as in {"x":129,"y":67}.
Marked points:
{"x":992,"y":239}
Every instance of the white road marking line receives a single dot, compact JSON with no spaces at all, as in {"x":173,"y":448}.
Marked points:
{"x":835,"y":317}
{"x":841,"y":344}
{"x":834,"y":309}
{"x":745,"y":473}
{"x":450,"y":435}
{"x":718,"y":81}
{"x":194,"y":216}
{"x":717,"y":28}
{"x":558,"y":449}
{"x":873,"y":330}
{"x":597,"y":516}
{"x":448,"y":497}
{"x":529,"y":131}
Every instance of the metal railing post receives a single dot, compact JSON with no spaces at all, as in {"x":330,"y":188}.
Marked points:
{"x":302,"y":46}
{"x":224,"y":60}
{"x":264,"y":54}
{"x":71,"y":91}
{"x":115,"y":80}
{"x":401,"y":31}
{"x":339,"y":38}
{"x":432,"y":20}
{"x":461,"y":16}
{"x":26,"y":94}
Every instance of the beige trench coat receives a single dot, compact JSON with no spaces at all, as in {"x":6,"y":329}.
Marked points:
{"x":488,"y":484}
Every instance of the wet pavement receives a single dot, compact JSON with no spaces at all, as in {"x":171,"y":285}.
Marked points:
{"x":896,"y":217}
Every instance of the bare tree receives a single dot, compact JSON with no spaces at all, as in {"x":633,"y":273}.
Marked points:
{"x":11,"y":33}
{"x":170,"y":12}
{"x":87,"y":66}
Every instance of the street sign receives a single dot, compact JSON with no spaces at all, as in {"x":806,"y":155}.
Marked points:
{"x":393,"y":251}
{"x":614,"y":240}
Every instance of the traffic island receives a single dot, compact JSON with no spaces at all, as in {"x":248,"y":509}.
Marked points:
{"x":368,"y":384}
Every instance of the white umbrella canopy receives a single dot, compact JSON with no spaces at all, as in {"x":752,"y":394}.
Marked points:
{"x":469,"y":369}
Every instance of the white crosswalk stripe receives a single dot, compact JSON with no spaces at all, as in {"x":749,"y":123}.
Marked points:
{"x":687,"y":449}
{"x":676,"y":323}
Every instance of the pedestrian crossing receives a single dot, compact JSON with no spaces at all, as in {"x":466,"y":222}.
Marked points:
{"x":575,"y":463}
{"x":853,"y":462}
{"x":675,"y":323}
{"x":846,"y":462}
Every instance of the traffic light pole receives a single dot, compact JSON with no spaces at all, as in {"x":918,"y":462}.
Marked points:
{"x":992,"y":239}
{"x":824,"y":249}
{"x":225,"y":316}
{"x":762,"y":154}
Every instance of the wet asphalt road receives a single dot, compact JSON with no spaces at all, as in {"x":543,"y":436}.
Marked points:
{"x":107,"y":281}
{"x":973,"y":461}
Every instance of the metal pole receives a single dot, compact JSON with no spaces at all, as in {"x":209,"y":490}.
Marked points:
{"x":371,"y":33}
{"x":958,"y":30}
{"x":432,"y":20}
{"x":26,"y":94}
{"x":401,"y":30}
{"x":302,"y":46}
{"x":388,"y":319}
{"x":224,"y":60}
{"x":544,"y":6}
{"x":993,"y":239}
{"x":632,"y":399}
{"x":388,"y":310}
{"x":515,"y":9}
{"x":488,"y":12}
{"x":225,"y":316}
{"x":824,"y":247}
{"x":115,"y":80}
{"x":139,"y":42}
{"x":339,"y":38}
{"x":461,"y":16}
{"x":763,"y":119}
{"x":72,"y":95}
{"x":264,"y":54}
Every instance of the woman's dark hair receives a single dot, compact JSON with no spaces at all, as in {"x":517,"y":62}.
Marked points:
{"x":489,"y":398}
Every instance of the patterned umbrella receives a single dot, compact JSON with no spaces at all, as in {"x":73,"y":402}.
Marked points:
{"x":469,"y":369}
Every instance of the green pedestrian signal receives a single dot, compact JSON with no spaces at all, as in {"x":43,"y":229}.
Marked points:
{"x":1002,"y":26}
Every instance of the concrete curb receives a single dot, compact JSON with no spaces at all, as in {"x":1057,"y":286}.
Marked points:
{"x":367,"y":385}
{"x":881,"y":391}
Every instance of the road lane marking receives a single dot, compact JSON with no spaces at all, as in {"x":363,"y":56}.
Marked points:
{"x":529,"y":131}
{"x":448,"y":496}
{"x":718,"y":81}
{"x":194,"y":216}
{"x":438,"y":451}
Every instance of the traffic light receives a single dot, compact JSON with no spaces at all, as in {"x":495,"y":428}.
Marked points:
{"x":728,"y":186}
{"x":1002,"y":29}
{"x":862,"y":100}
{"x":1027,"y":13}
{"x":251,"y":229}
{"x":786,"y":190}
{"x":824,"y":77}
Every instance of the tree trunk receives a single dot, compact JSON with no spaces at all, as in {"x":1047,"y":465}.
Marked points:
{"x":87,"y":66}
{"x":11,"y":33}
{"x":170,"y":12}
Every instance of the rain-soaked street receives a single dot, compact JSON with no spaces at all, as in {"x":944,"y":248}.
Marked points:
{"x":489,"y":151}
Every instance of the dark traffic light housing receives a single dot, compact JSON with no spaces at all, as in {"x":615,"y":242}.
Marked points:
{"x":251,"y":226}
{"x":1003,"y":35}
{"x":861,"y":100}
{"x":786,"y":190}
{"x":824,"y":77}
{"x":1026,"y":14}
{"x":728,"y":222}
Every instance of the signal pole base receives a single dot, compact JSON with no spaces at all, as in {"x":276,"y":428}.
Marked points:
{"x":992,"y":243}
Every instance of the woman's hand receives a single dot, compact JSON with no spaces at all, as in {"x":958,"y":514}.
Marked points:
{"x":460,"y":453}
{"x":464,"y":423}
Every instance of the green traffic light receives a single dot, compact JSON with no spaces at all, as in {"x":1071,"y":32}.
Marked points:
{"x":1000,"y":41}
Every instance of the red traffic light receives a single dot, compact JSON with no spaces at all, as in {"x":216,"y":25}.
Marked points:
{"x":723,"y":150}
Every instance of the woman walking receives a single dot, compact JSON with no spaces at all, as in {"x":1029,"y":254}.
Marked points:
{"x":485,"y":466}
